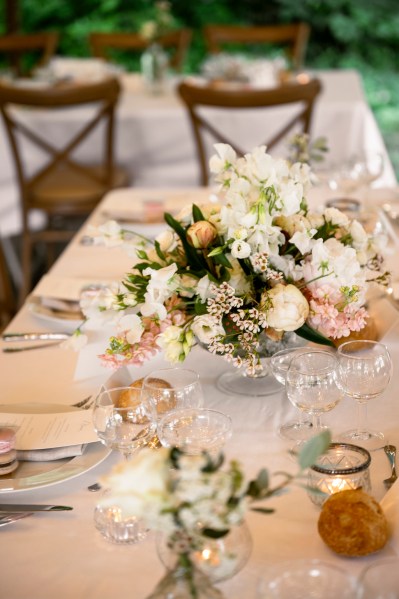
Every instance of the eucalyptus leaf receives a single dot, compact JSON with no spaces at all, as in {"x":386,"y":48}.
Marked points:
{"x":313,"y":448}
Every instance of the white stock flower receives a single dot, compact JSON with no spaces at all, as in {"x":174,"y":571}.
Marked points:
{"x":203,"y":288}
{"x":359,"y":235}
{"x":289,"y":308}
{"x":99,"y":305}
{"x":132,"y":325}
{"x":206,"y":328}
{"x":303,"y":240}
{"x":240,"y":249}
{"x":159,"y":288}
{"x":291,"y":195}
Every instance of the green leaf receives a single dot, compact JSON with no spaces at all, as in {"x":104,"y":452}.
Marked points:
{"x":194,"y":259}
{"x":197,"y":214}
{"x":263,"y":510}
{"x":313,"y":448}
{"x":306,"y":332}
{"x":200,"y":308}
{"x":214,"y":534}
{"x":158,"y":250}
{"x":262,"y":479}
{"x":216,"y":251}
{"x":222,"y":259}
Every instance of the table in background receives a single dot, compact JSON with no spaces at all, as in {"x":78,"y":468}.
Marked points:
{"x":62,"y":555}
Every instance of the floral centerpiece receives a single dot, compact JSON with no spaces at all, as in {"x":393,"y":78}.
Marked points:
{"x":191,"y":499}
{"x":257,"y":264}
{"x":161,"y":22}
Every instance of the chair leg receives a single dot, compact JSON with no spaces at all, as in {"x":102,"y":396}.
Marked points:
{"x":26,"y":259}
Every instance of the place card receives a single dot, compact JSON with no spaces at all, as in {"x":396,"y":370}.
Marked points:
{"x":45,"y":431}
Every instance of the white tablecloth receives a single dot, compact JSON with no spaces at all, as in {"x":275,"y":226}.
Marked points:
{"x":62,"y":555}
{"x":154,"y":139}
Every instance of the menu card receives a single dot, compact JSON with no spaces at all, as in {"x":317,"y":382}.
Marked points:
{"x":45,"y":431}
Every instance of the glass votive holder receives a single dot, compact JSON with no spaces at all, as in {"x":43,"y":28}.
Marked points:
{"x":195,"y":430}
{"x":116,"y":528}
{"x":343,"y":467}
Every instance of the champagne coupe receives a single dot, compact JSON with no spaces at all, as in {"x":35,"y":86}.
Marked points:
{"x":298,"y":429}
{"x":170,"y":389}
{"x":365,"y":369}
{"x":311,"y":384}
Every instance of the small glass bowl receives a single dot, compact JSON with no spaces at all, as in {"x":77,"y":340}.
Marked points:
{"x":343,"y":467}
{"x":195,"y":430}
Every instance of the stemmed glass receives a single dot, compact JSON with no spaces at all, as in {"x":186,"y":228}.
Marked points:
{"x":311,"y":384}
{"x":296,"y":430}
{"x":121,"y":422}
{"x":356,"y":172}
{"x":170,"y":389}
{"x":365,"y":369}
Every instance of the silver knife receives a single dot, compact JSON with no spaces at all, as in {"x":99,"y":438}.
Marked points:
{"x":11,"y":350}
{"x":27,"y":507}
{"x":35,"y":336}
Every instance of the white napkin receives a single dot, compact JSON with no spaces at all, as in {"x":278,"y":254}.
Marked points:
{"x":49,"y":455}
{"x":390,"y":506}
{"x":79,"y":69}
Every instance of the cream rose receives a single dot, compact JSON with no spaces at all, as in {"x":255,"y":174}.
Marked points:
{"x":201,"y":234}
{"x":287,"y":309}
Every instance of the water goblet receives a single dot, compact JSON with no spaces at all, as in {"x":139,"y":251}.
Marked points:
{"x":311,"y":384}
{"x":170,"y":389}
{"x":365,"y":369}
{"x":295,"y":430}
{"x":195,"y":430}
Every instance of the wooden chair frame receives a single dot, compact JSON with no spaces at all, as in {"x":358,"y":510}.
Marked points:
{"x":15,"y":45}
{"x":103,"y":96}
{"x":295,"y":36}
{"x":7,"y":300}
{"x":179,"y":40}
{"x":196,"y":97}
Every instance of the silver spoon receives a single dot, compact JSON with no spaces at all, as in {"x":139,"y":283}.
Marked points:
{"x":390,"y":451}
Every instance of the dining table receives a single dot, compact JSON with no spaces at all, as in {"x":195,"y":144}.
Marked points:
{"x":61,"y":554}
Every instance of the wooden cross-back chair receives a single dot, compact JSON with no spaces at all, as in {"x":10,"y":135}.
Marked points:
{"x":63,"y":187}
{"x":293,"y":36}
{"x":196,"y":97}
{"x":7,"y":299}
{"x":15,"y":46}
{"x":178,"y":41}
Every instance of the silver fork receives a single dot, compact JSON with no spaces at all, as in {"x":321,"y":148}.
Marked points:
{"x":13,"y":517}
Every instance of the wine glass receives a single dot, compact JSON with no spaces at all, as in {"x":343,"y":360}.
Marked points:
{"x":356,"y":172}
{"x":279,"y":363}
{"x":311,"y":384}
{"x":380,"y":580}
{"x":365,"y":369}
{"x":302,"y":579}
{"x":170,"y":389}
{"x":121,"y":422}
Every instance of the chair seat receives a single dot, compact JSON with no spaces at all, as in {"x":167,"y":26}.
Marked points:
{"x":65,"y":190}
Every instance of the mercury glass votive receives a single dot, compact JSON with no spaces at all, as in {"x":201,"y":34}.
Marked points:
{"x":343,"y":467}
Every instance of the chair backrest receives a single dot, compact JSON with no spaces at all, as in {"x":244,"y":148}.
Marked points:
{"x":7,"y":299}
{"x":197,"y":97}
{"x":178,"y":41}
{"x":17,"y":45}
{"x":293,"y":36}
{"x":102,"y":96}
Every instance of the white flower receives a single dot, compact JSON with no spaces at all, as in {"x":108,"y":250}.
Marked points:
{"x":206,"y":327}
{"x":131,"y":323}
{"x":140,"y":486}
{"x":159,"y":288}
{"x":303,"y":240}
{"x":289,"y":308}
{"x":226,"y":156}
{"x":359,"y":235}
{"x":240,"y":249}
{"x":176,"y":342}
{"x":336,"y":217}
{"x":76,"y":342}
{"x":167,"y":240}
{"x":99,"y":305}
{"x":203,"y":288}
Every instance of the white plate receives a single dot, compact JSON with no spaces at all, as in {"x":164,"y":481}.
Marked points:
{"x":35,"y":475}
{"x":69,"y":320}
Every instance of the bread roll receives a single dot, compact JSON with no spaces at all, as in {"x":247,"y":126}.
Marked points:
{"x":352,"y":523}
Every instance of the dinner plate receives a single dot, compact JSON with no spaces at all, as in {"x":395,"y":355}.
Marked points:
{"x":36,"y":475}
{"x":69,"y":320}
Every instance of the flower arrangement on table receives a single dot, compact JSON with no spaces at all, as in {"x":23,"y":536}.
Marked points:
{"x":259,"y":263}
{"x":161,"y":22}
{"x":192,"y":499}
